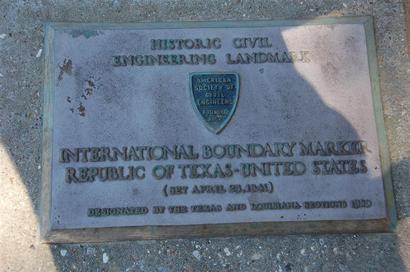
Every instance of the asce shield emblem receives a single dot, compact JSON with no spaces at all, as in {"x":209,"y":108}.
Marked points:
{"x":214,"y":96}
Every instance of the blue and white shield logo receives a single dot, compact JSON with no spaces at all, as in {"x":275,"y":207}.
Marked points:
{"x":214,"y":96}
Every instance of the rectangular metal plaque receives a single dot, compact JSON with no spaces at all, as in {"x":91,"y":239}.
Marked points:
{"x":213,"y":128}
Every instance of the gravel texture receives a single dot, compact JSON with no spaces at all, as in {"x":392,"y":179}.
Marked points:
{"x":21,"y":78}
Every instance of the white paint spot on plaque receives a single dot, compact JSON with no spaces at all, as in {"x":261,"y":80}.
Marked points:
{"x":197,"y":255}
{"x":90,"y":251}
{"x":227,"y":252}
{"x":105,"y":258}
{"x":39,"y":53}
{"x":313,"y":248}
{"x":63,"y":252}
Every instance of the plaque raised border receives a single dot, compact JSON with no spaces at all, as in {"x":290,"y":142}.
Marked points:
{"x":263,"y":228}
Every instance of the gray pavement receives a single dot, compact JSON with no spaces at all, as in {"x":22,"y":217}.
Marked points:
{"x":21,"y":78}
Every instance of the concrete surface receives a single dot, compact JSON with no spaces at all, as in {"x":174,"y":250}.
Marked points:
{"x":21,"y":64}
